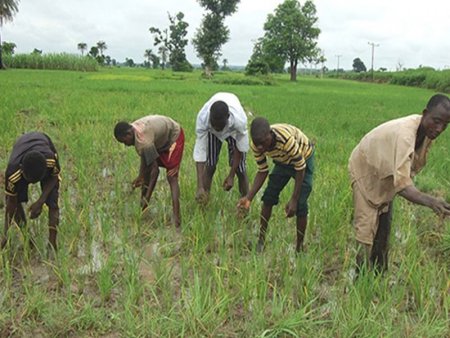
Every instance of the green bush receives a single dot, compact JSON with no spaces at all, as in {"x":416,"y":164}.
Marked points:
{"x":61,"y":61}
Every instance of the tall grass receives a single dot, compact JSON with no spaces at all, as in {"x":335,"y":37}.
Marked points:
{"x":57,"y":61}
{"x":421,"y":77}
{"x":122,"y":273}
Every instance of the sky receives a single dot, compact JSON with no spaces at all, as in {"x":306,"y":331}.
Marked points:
{"x":406,"y":33}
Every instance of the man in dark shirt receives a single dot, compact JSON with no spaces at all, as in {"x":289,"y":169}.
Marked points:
{"x":33,"y":159}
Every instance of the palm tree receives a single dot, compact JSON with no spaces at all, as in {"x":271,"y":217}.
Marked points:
{"x":8,"y":8}
{"x":101,"y":45}
{"x":148,"y":54}
{"x":82,"y":47}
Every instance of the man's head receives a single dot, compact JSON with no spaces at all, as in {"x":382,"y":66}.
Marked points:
{"x":261,"y":135}
{"x":436,"y":116}
{"x":219,"y":114}
{"x":34,"y":166}
{"x":123,"y":132}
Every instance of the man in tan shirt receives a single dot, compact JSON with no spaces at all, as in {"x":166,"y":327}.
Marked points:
{"x":383,"y":165}
{"x":159,"y":141}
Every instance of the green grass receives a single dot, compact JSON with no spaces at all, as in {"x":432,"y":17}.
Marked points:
{"x":120,"y":273}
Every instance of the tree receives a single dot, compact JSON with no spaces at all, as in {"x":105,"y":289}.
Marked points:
{"x":213,"y":33}
{"x":8,"y":8}
{"x":174,"y":40}
{"x":359,"y":66}
{"x":94,"y":52}
{"x":263,"y":60}
{"x":291,"y":33}
{"x":225,"y":64}
{"x":8,"y":47}
{"x":101,"y":46}
{"x":148,"y":54}
{"x":163,"y":51}
{"x":82,"y":47}
{"x":129,"y":62}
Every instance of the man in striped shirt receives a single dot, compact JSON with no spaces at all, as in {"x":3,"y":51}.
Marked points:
{"x":293,"y":155}
{"x":33,"y":159}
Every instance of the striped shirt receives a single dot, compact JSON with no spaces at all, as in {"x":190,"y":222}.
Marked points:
{"x":33,"y":141}
{"x":291,"y":147}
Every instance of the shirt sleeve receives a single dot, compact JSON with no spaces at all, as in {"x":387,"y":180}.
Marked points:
{"x":402,"y":174}
{"x":53,"y":165}
{"x":11,"y":182}
{"x":261,"y":160}
{"x":240,"y":120}
{"x":293,"y":152}
{"x":201,"y":130}
{"x":150,"y":154}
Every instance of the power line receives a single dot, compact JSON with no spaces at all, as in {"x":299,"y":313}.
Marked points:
{"x":373,"y":53}
{"x":338,"y":57}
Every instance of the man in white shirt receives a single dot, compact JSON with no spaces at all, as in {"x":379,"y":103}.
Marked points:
{"x":222,"y":118}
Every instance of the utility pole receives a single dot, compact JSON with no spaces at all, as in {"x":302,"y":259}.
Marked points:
{"x":373,"y":53}
{"x":338,"y":57}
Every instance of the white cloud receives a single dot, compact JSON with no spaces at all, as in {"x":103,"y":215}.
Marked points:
{"x":414,"y":33}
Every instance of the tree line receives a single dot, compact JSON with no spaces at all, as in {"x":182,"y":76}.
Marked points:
{"x":290,"y":36}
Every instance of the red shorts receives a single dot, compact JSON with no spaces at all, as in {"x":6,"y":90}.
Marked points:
{"x":171,"y":159}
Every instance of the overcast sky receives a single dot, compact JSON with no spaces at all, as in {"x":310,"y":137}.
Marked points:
{"x":410,"y":33}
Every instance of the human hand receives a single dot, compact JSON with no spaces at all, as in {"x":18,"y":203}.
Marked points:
{"x":441,"y":207}
{"x":290,"y":208}
{"x":35,"y":209}
{"x":202,"y":196}
{"x":243,"y":207}
{"x":244,"y":203}
{"x":138,"y":182}
{"x":228,"y":183}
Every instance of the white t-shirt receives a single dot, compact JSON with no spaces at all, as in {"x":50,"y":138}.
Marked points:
{"x":236,"y":126}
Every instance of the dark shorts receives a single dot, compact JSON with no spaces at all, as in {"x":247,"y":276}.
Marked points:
{"x":280,"y":176}
{"x":51,"y":201}
{"x":214,"y":146}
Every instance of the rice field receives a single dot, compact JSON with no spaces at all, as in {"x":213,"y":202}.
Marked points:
{"x":120,"y":273}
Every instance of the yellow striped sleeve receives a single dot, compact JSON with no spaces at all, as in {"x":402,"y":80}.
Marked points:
{"x":260,"y":158}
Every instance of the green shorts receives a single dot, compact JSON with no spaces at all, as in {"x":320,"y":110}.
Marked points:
{"x":278,"y":179}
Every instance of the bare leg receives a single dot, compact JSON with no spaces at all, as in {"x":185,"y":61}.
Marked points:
{"x":266,"y":212}
{"x":175,"y":191}
{"x":53,"y":222}
{"x":150,"y":178}
{"x":380,"y":248}
{"x":302,"y":221}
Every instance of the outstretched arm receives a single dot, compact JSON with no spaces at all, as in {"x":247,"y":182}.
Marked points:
{"x":36,"y":207}
{"x":291,"y":207}
{"x":245,"y":201}
{"x":148,"y":190}
{"x":138,"y":181}
{"x":414,"y":195}
{"x":237,"y":156}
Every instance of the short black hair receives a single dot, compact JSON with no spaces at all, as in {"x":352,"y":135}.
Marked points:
{"x":437,"y":100}
{"x":121,"y":129}
{"x":219,"y":113}
{"x":259,"y":128}
{"x":34,"y":166}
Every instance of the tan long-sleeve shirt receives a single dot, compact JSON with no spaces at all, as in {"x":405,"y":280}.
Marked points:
{"x":385,"y":161}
